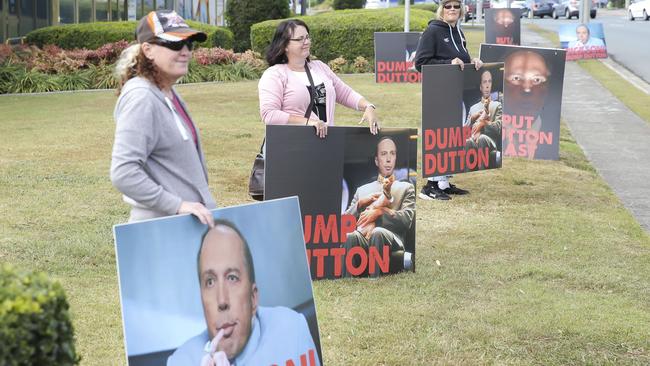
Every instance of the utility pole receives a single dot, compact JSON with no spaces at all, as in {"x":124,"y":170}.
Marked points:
{"x":585,"y":9}
{"x":479,"y":10}
{"x":407,"y":17}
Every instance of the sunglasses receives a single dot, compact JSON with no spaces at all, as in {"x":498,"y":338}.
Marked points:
{"x":449,"y":6}
{"x":176,"y":46}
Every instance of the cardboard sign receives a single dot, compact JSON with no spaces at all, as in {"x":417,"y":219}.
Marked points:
{"x":532,"y":99}
{"x":357,"y":195}
{"x":583,"y":41}
{"x":461,"y":122}
{"x":503,"y":26}
{"x":394,"y":57}
{"x":181,"y":285}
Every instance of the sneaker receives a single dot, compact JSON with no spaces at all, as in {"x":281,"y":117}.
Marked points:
{"x":409,"y":261}
{"x":432,"y":192}
{"x":455,"y":190}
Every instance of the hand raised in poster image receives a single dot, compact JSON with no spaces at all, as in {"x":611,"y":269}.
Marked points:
{"x":296,"y":90}
{"x":214,"y":357}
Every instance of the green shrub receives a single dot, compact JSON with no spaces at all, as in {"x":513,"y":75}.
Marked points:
{"x":432,"y":7}
{"x":95,"y":35}
{"x":35,"y":327}
{"x":347,"y":33}
{"x":242,"y":14}
{"x":348,"y":4}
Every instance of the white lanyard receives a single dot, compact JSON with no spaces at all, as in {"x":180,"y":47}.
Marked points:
{"x":177,"y":119}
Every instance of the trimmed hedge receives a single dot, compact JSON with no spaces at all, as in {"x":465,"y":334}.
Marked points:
{"x":432,"y":7}
{"x":95,"y":35}
{"x":35,"y":327}
{"x":346,"y":33}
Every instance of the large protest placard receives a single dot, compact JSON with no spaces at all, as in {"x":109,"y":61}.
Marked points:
{"x":583,"y":41}
{"x":503,"y":26}
{"x":394,"y":57}
{"x":241,"y":290}
{"x":532,"y":99}
{"x":357,"y":195}
{"x":461,"y":118}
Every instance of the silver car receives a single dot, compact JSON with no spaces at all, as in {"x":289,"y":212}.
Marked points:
{"x":571,"y":8}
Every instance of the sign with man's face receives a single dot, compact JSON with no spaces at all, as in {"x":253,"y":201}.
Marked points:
{"x":461,"y":123}
{"x":583,"y":41}
{"x":240,"y":291}
{"x":328,"y":174}
{"x":395,"y":56}
{"x":503,"y":26}
{"x":532,"y":99}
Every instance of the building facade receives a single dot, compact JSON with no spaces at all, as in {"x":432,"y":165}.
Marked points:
{"x":19,"y":17}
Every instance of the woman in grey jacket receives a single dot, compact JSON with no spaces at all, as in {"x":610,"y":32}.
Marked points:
{"x":157,"y":161}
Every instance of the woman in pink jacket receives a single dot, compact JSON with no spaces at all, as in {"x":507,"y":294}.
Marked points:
{"x":286,"y":91}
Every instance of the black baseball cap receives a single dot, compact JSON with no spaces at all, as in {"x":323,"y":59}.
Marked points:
{"x":166,"y":25}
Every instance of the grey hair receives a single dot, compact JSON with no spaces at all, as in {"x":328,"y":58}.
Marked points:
{"x":126,"y":62}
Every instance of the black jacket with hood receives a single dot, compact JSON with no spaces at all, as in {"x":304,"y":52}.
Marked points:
{"x":439,"y":44}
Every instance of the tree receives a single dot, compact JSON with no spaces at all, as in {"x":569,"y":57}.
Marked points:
{"x":348,"y":4}
{"x":241,"y":14}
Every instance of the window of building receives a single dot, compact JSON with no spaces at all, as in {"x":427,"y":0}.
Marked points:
{"x":26,"y":16}
{"x":66,"y":11}
{"x":85,"y":11}
{"x":101,"y":10}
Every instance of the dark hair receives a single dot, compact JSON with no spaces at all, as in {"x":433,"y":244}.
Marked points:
{"x":381,"y":140}
{"x":275,"y":54}
{"x":248,"y":258}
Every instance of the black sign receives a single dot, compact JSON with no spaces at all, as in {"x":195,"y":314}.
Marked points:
{"x":461,"y":118}
{"x":532,"y":99}
{"x":394,"y":57}
{"x":503,"y":26}
{"x":357,"y":195}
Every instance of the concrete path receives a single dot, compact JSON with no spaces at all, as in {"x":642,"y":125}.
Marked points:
{"x":615,"y":139}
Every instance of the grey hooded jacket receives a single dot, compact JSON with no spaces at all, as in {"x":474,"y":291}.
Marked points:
{"x":155,"y":164}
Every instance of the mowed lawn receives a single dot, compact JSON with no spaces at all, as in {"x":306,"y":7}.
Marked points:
{"x":540,"y":264}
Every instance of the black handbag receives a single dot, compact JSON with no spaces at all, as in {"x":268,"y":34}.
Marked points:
{"x":256,"y":180}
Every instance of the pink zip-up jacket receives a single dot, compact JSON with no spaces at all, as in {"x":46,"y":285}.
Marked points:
{"x":282,"y":93}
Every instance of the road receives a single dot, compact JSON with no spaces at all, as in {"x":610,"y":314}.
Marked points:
{"x":627,"y":41}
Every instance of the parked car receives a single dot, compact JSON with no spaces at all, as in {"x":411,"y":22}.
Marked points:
{"x":519,"y":4}
{"x":639,"y":9}
{"x":541,"y":8}
{"x":571,"y":8}
{"x":470,"y":8}
{"x":376,"y":4}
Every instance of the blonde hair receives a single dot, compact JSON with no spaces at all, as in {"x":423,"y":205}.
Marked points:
{"x":132,"y":63}
{"x":441,"y":8}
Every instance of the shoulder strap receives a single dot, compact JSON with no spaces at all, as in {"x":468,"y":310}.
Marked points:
{"x":312,"y":89}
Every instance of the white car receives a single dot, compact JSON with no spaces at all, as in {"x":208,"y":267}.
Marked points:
{"x":639,"y":9}
{"x":376,"y":4}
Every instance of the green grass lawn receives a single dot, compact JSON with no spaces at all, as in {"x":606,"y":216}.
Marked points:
{"x":540,"y":264}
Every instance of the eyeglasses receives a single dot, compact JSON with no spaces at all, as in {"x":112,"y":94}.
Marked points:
{"x":449,"y":6}
{"x":175,"y":46}
{"x":302,"y":39}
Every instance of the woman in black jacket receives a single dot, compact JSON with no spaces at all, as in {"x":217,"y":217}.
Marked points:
{"x":444,"y":43}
